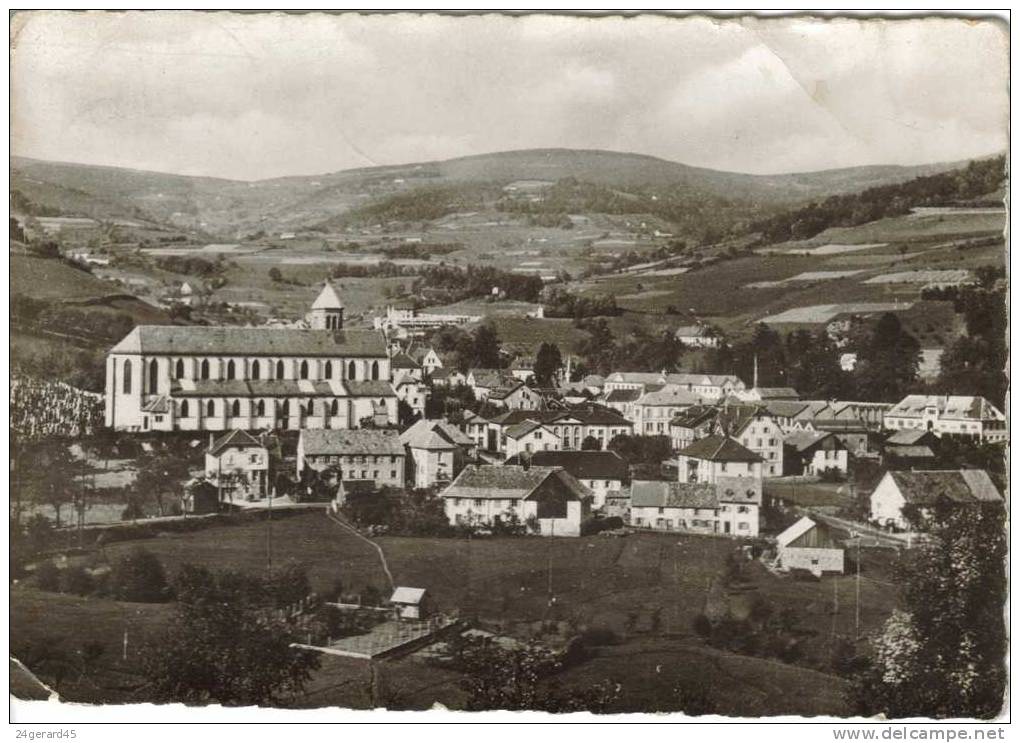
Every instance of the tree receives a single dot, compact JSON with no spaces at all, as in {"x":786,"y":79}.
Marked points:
{"x":485,"y":347}
{"x":225,"y":645}
{"x":159,"y":474}
{"x":887,"y":363}
{"x":548,"y":363}
{"x":138,"y":576}
{"x":942,"y":655}
{"x":591,"y":443}
{"x":275,"y":275}
{"x":50,"y":476}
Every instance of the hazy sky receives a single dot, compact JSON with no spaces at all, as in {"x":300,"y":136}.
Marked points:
{"x":256,"y":96}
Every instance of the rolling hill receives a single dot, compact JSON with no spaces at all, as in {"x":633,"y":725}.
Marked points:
{"x":230,"y":208}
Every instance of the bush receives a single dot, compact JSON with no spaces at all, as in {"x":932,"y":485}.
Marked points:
{"x":598,"y":636}
{"x":138,"y":576}
{"x":76,"y":580}
{"x":47,"y":576}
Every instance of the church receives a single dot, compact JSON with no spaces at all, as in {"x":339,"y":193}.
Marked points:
{"x":201,"y":378}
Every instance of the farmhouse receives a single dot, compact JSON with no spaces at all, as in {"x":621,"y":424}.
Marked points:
{"x":447,"y":377}
{"x":572,"y":426}
{"x":200,"y":378}
{"x":952,"y":415}
{"x":515,"y":396}
{"x":708,"y":459}
{"x":910,"y":448}
{"x":437,"y":451}
{"x":368,"y":457}
{"x":602,"y":472}
{"x":921,"y":490}
{"x":238,"y":463}
{"x":808,"y":545}
{"x":692,"y":424}
{"x":485,"y":381}
{"x":549,"y":497}
{"x":401,"y":363}
{"x":523,"y":368}
{"x":730,"y":505}
{"x":426,"y":357}
{"x":813,"y":453}
{"x":757,"y":430}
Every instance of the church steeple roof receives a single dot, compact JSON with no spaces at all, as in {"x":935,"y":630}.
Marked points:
{"x":328,"y":299}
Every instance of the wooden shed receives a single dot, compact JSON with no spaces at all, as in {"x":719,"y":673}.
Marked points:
{"x":809,"y":545}
{"x":410,"y":603}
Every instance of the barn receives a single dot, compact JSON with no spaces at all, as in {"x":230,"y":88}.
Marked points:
{"x":809,"y":545}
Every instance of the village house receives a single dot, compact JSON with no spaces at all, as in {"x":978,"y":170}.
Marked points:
{"x":731,"y":505}
{"x":910,"y":448}
{"x":809,"y":545}
{"x":952,"y":415}
{"x":709,"y":386}
{"x":363,"y":457}
{"x":549,"y":498}
{"x":515,"y":396}
{"x":479,"y":430}
{"x":530,"y":436}
{"x":204,"y":378}
{"x":754,"y":428}
{"x":484,"y":381}
{"x":238,"y":464}
{"x":426,"y":357}
{"x":572,"y":426}
{"x":437,"y":451}
{"x":692,"y":424}
{"x":447,"y":377}
{"x":715,"y":456}
{"x":814,"y":453}
{"x":653,"y":411}
{"x":922,"y":489}
{"x":623,"y":400}
{"x":632,"y":381}
{"x":697,"y":336}
{"x":765,"y":394}
{"x":602,"y":472}
{"x":411,"y":391}
{"x":523,"y":368}
{"x":402,"y":364}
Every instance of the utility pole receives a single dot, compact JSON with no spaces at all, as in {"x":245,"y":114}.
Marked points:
{"x":835,"y":604}
{"x":857,"y":609}
{"x":269,"y":535}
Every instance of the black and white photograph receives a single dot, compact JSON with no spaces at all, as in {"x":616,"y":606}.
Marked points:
{"x":593,"y":367}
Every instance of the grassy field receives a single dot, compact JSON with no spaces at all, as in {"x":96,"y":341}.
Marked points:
{"x":621,"y":584}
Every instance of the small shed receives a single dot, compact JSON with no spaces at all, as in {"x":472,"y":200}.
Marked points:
{"x":410,"y":603}
{"x":202,"y":497}
{"x":809,"y":545}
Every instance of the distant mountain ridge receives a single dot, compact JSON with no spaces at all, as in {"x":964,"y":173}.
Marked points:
{"x":225,"y":206}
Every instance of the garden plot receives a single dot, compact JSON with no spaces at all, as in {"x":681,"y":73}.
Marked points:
{"x":806,"y":276}
{"x":834,"y":249}
{"x":945,"y":277}
{"x":823,"y":313}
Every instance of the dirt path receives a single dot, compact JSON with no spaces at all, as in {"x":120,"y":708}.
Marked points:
{"x":359,"y":535}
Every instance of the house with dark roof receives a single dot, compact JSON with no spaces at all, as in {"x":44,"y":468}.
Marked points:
{"x":401,"y":362}
{"x":809,"y":545}
{"x":221,"y":378}
{"x":572,"y":426}
{"x":238,"y":464}
{"x":515,"y":395}
{"x":530,"y":436}
{"x":483,"y":381}
{"x":730,"y":505}
{"x":602,"y":472}
{"x":356,"y":456}
{"x":437,"y":451}
{"x":715,"y":456}
{"x":910,"y":449}
{"x":692,"y":424}
{"x":549,"y":499}
{"x":813,"y":453}
{"x":426,"y":357}
{"x":920,"y":490}
{"x":447,"y":377}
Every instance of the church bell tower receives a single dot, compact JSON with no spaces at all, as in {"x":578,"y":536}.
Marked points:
{"x":327,"y":310}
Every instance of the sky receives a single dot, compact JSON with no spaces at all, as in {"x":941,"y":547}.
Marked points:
{"x":264,"y":95}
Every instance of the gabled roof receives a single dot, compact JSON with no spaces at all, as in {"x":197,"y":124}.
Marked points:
{"x":328,"y":299}
{"x":694,"y":416}
{"x":784,"y":408}
{"x":238,"y":341}
{"x":954,"y":407}
{"x":509,"y":481}
{"x":523,"y":428}
{"x":795,"y":531}
{"x":490,"y":378}
{"x":960,"y":486}
{"x":403,"y":361}
{"x":668,"y":396}
{"x":735,"y":418}
{"x":503,"y":392}
{"x":235,"y":439}
{"x":635,"y":377}
{"x":350,"y":441}
{"x":434,"y":435}
{"x":368,"y":388}
{"x":718,"y":448}
{"x":672,"y":494}
{"x":627,"y":395}
{"x":803,"y":441}
{"x":776,"y":393}
{"x":584,"y":465}
{"x":159,"y":404}
{"x":909,"y":437}
{"x":407,"y":595}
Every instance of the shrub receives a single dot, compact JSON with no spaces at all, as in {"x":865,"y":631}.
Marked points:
{"x":47,"y":576}
{"x":138,"y":576}
{"x":598,"y":636}
{"x":76,"y":580}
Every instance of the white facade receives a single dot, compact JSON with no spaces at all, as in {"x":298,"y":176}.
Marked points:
{"x":540,"y":438}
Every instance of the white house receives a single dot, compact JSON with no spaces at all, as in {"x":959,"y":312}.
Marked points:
{"x":731,"y":505}
{"x":953,"y":415}
{"x":483,"y":381}
{"x":715,"y":456}
{"x":814,"y":452}
{"x":697,"y":336}
{"x":515,"y":396}
{"x":547,"y":497}
{"x":922,"y":489}
{"x":239,"y":463}
{"x":361,"y":456}
{"x":755,"y":428}
{"x":413,"y":392}
{"x":602,"y":472}
{"x":530,"y":436}
{"x":652,"y":412}
{"x":437,"y":451}
{"x":807,"y":545}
